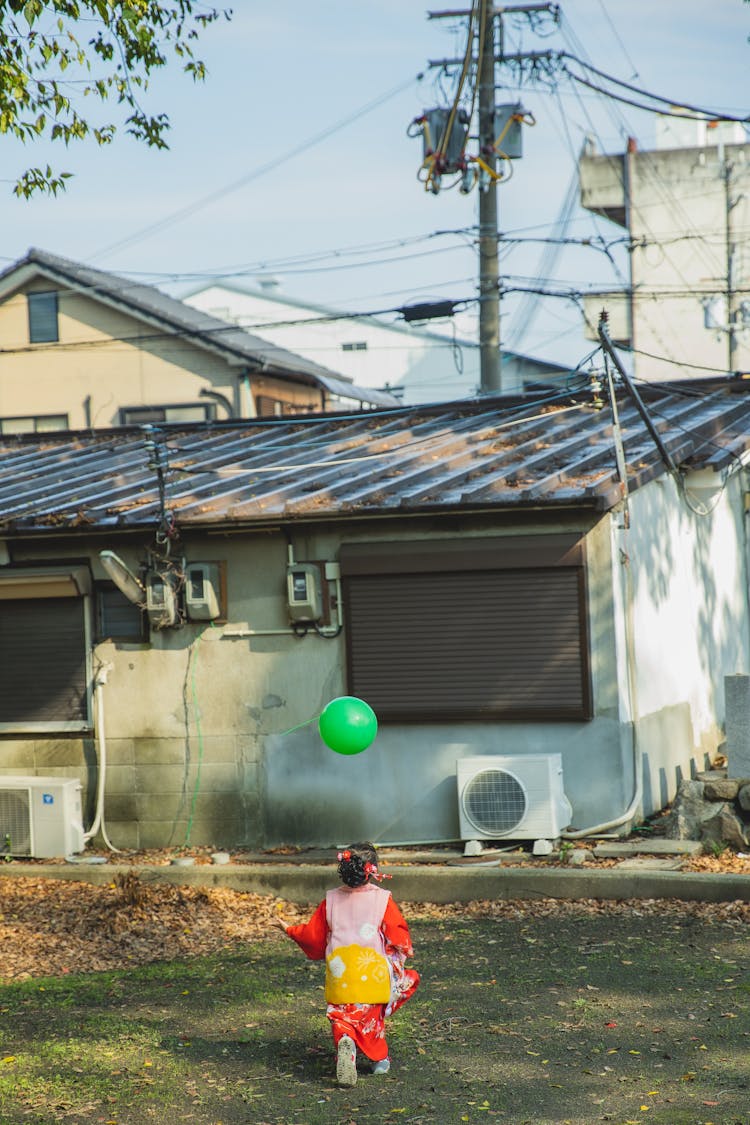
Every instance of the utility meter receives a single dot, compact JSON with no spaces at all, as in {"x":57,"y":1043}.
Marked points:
{"x":161,"y":600}
{"x":304,"y":592}
{"x":202,"y":591}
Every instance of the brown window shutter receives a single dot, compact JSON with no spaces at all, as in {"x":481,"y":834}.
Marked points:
{"x":469,"y":644}
{"x":43,"y":658}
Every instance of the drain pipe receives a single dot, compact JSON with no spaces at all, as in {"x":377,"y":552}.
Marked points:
{"x":99,"y":825}
{"x":632,"y":809}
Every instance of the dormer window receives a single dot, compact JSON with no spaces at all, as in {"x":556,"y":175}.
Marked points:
{"x":43,"y":317}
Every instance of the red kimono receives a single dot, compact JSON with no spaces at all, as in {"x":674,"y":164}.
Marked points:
{"x":364,"y":938}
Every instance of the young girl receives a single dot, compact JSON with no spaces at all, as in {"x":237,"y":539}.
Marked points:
{"x":364,"y":939}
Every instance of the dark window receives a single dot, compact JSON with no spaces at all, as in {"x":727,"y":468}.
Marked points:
{"x":43,"y":658}
{"x":187,"y":412}
{"x":42,"y":318}
{"x":469,"y":629}
{"x":117,"y":618}
{"x":269,"y":407}
{"x":358,"y":346}
{"x":33,"y":424}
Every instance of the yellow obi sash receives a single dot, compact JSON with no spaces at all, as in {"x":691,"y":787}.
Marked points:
{"x":356,"y":974}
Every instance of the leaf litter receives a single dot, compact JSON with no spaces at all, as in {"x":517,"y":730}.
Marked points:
{"x":50,"y":927}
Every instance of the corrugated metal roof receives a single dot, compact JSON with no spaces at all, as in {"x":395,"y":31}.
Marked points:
{"x":499,"y":453}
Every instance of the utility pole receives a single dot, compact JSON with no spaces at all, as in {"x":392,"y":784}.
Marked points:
{"x":441,"y":159}
{"x":732,"y":311}
{"x":489,"y":280}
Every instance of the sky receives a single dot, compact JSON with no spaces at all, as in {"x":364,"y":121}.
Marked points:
{"x":293,"y":161}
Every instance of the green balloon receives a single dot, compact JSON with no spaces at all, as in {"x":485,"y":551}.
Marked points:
{"x":348,"y":725}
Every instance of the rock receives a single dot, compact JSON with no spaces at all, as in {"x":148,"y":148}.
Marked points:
{"x":711,"y":775}
{"x":578,"y":856}
{"x":724,"y":827}
{"x":688,"y":812}
{"x":721,"y":789}
{"x":543,"y":847}
{"x":743,"y":797}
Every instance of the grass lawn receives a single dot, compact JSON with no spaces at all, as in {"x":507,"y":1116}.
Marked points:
{"x":580,"y":1013}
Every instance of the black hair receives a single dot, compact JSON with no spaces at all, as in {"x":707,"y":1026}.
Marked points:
{"x":352,"y":861}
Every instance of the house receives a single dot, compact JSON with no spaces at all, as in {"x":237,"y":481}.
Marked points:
{"x":482,"y":574}
{"x":83,"y":348}
{"x":418,"y":364}
{"x":685,"y":208}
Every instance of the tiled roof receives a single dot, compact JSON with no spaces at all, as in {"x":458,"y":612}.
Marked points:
{"x":490,"y":454}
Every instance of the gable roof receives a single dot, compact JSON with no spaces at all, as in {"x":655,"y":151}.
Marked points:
{"x":238,"y":347}
{"x":499,"y":454}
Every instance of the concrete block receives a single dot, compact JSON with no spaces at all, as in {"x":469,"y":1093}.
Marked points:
{"x":649,"y":863}
{"x":50,"y":755}
{"x":159,"y":751}
{"x":657,"y":847}
{"x":737,"y":703}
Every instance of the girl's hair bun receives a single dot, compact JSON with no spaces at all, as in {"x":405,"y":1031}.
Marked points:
{"x":356,"y":863}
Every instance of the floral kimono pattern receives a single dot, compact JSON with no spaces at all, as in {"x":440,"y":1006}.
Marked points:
{"x":363,"y":1021}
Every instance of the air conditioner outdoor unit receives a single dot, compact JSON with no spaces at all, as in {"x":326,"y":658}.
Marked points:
{"x":40,"y":817}
{"x":518,"y":797}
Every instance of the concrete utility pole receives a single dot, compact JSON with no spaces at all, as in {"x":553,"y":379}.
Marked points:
{"x":731,"y":294}
{"x":488,"y":33}
{"x":489,"y":279}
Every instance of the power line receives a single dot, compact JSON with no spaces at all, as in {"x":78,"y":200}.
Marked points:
{"x":198,"y":204}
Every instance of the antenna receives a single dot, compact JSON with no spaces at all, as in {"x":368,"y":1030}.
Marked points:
{"x":123,"y":578}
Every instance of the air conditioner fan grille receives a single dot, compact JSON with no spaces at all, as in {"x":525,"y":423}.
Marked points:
{"x":15,"y":822}
{"x":494,"y":801}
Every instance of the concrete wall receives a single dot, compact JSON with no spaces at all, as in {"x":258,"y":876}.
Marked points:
{"x":682,"y":568}
{"x":687,"y":211}
{"x":198,"y":723}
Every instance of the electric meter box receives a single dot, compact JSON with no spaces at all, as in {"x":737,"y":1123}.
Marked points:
{"x":203,"y":591}
{"x":304,"y":592}
{"x":161,"y":600}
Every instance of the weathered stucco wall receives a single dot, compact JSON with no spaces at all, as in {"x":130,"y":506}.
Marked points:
{"x":198,"y":723}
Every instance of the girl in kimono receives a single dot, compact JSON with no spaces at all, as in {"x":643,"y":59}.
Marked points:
{"x":362,"y":935}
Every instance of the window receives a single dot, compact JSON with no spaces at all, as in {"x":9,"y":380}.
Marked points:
{"x":470,"y":629}
{"x":359,"y":346}
{"x":43,"y":650}
{"x":188,"y":412}
{"x":42,"y":317}
{"x":34,"y":424}
{"x":268,"y":407}
{"x":118,"y":619}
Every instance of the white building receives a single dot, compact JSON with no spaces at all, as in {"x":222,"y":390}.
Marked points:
{"x":418,"y":364}
{"x":686,"y":208}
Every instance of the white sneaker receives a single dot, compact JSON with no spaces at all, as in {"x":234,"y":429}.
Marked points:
{"x":381,"y":1067}
{"x":346,"y":1062}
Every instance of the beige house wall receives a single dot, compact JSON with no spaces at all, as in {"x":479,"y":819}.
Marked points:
{"x":105,"y":360}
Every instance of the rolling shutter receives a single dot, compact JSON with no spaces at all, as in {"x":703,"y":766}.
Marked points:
{"x":43,"y":657}
{"x":493,"y":636}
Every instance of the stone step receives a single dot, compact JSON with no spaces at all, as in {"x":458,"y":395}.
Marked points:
{"x":618,"y":849}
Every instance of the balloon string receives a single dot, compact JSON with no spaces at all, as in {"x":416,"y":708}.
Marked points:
{"x":298,"y":726}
